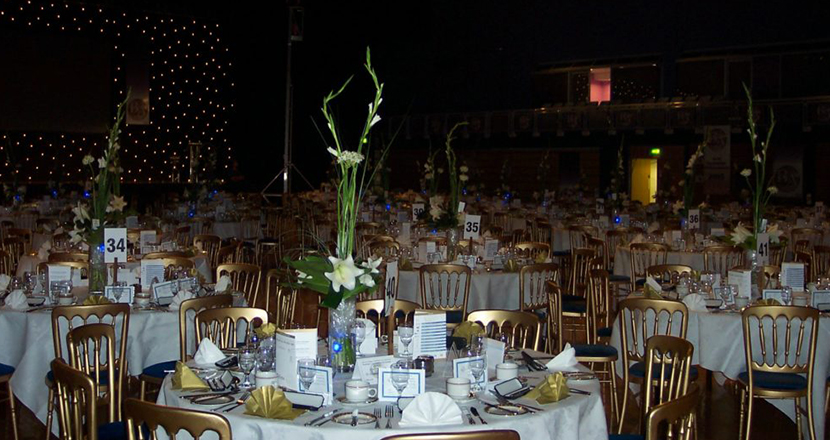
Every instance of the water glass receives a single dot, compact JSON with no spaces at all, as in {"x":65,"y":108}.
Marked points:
{"x":477,"y":367}
{"x":400,"y":377}
{"x":406,"y":333}
{"x":787,"y":295}
{"x":359,"y":331}
{"x":247,"y":361}
{"x":306,"y":371}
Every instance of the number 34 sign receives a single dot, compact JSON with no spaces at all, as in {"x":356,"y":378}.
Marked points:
{"x":115,"y":244}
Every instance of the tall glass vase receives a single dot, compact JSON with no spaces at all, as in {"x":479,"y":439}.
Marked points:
{"x":97,"y":267}
{"x":453,"y":237}
{"x":341,"y":342}
{"x":751,"y":260}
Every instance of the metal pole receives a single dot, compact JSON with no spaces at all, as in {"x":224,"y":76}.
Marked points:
{"x":286,"y":188}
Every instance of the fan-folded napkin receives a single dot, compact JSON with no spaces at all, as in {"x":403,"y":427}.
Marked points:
{"x":208,"y":353}
{"x":223,"y":284}
{"x":431,"y":409}
{"x":4,"y":282}
{"x":564,"y":361}
{"x":17,"y":301}
{"x":271,"y":403}
{"x":695,"y":302}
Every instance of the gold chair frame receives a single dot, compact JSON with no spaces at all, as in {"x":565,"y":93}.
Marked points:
{"x":445,"y":295}
{"x":497,"y":434}
{"x":77,"y":412}
{"x":660,"y":271}
{"x":533,"y":250}
{"x":521,"y":326}
{"x":721,"y":258}
{"x":532,"y":285}
{"x":668,"y":364}
{"x":139,"y":413}
{"x":88,"y":345}
{"x":245,"y":278}
{"x":220,"y":324}
{"x":643,"y":255}
{"x":677,"y":414}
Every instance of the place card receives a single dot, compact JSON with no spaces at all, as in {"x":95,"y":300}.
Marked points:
{"x":164,"y":292}
{"x":292,"y":345}
{"x":741,"y":278}
{"x":152,"y":271}
{"x":461,"y":206}
{"x":495,"y":354}
{"x":461,"y":369}
{"x":821,"y":299}
{"x":387,"y":391}
{"x":491,"y":249}
{"x":792,"y":275}
{"x":323,"y":384}
{"x":776,"y":294}
{"x":367,"y":368}
{"x":120,"y":294}
{"x":430,"y":334}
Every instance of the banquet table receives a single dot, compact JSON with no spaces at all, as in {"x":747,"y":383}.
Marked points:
{"x":28,"y":263}
{"x":719,"y":346}
{"x":488,"y":290}
{"x":241,"y":230}
{"x":576,"y":417}
{"x":622,"y":260}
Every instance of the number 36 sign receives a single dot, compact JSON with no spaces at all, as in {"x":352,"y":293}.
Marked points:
{"x":115,"y":244}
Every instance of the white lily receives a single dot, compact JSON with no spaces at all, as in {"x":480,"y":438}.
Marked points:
{"x":372,"y":265}
{"x":367,"y":280}
{"x":81,"y":214}
{"x":746,"y":172}
{"x":344,"y":273}
{"x":102,"y":163}
{"x":88,"y":159}
{"x":740,"y":234}
{"x":774,"y":233}
{"x":116,"y":204}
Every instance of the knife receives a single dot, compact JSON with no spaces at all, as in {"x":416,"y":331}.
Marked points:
{"x":504,"y":401}
{"x":475,"y":413}
{"x":532,"y":364}
{"x":470,"y":418}
{"x":515,"y":413}
{"x":328,"y":414}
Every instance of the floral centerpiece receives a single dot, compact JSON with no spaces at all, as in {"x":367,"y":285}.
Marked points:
{"x":105,"y":205}
{"x":615,"y":194}
{"x":688,"y":184}
{"x":339,"y":278}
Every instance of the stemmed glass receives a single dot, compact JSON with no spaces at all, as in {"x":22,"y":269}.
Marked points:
{"x":406,"y":333}
{"x":477,"y":367}
{"x":359,"y":331}
{"x":305,"y":369}
{"x":247,"y":361}
{"x":400,"y":377}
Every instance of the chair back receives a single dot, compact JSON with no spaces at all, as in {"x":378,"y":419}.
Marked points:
{"x":600,"y":250}
{"x":821,"y":261}
{"x":6,"y":264}
{"x":599,"y":303}
{"x":82,"y":266}
{"x":175,"y":264}
{"x":60,"y":257}
{"x":524,"y":329}
{"x":384,"y":248}
{"x":721,"y":258}
{"x":668,"y":272}
{"x":76,"y":409}
{"x":771,"y":276}
{"x":614,"y":238}
{"x":15,"y":247}
{"x":581,"y":259}
{"x":498,"y":434}
{"x":780,"y":339}
{"x":555,"y":332}
{"x":165,"y":254}
{"x":182,"y":236}
{"x":279,"y":299}
{"x":642,"y":318}
{"x":668,"y":363}
{"x":532,"y":285}
{"x":445,"y":287}
{"x":673,"y":419}
{"x":776,"y":254}
{"x":244,"y":278}
{"x":220,"y":324}
{"x":140,"y":415}
{"x":372,"y":309}
{"x":805,"y":257}
{"x":196,"y":305}
{"x":208,"y":244}
{"x":812,"y":237}
{"x":92,"y":350}
{"x":643,"y":256}
{"x":533,"y":250}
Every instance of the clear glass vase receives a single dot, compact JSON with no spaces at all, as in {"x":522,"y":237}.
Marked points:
{"x":751,"y":262}
{"x":453,"y":237}
{"x":341,"y":340}
{"x":97,"y":267}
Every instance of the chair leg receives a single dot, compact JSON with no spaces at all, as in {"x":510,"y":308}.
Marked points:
{"x":50,"y":407}
{"x":626,"y":386}
{"x":798,"y":426}
{"x":748,"y":415}
{"x":143,"y":389}
{"x":741,"y":424}
{"x":615,"y":404}
{"x":811,"y":418}
{"x":14,"y":410}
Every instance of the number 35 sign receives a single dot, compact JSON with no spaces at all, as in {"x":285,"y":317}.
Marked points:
{"x":472,"y":226}
{"x":115,"y":244}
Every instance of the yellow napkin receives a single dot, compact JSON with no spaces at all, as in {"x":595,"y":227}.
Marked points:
{"x":185,"y":379}
{"x":511,"y":266}
{"x":769,"y":302}
{"x":542,"y":257}
{"x":270,"y":402}
{"x":405,"y":264}
{"x":266,"y":330}
{"x":96,"y":300}
{"x":553,"y":389}
{"x":649,"y":293}
{"x":467,"y":330}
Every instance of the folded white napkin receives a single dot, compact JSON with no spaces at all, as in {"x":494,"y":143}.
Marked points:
{"x":654,"y":227}
{"x":431,"y":409}
{"x":4,"y":282}
{"x":695,"y":303}
{"x":638,"y":238}
{"x":223,"y":284}
{"x":651,"y":282}
{"x":208,"y":353}
{"x":17,"y":301}
{"x":180,"y":297}
{"x":43,"y":252}
{"x":564,"y":361}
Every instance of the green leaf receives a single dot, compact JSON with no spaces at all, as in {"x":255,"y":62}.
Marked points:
{"x":332,"y":299}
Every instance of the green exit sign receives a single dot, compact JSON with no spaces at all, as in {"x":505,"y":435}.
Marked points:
{"x":655,"y":151}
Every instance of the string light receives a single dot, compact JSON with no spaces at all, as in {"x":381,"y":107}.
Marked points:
{"x":179,"y":50}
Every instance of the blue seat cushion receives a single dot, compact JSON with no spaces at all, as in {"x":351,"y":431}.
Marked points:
{"x":112,"y":431}
{"x":455,"y":317}
{"x":574,"y":307}
{"x":639,"y":370}
{"x":5,"y":370}
{"x":625,"y":437}
{"x":775,"y":381}
{"x":567,"y":297}
{"x":605,"y":332}
{"x":158,"y":370}
{"x":594,"y":350}
{"x":561,"y":253}
{"x":640,"y":283}
{"x":618,"y":278}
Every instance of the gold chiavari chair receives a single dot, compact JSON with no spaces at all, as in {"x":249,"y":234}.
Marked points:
{"x":24,"y":234}
{"x":673,"y":419}
{"x":541,"y":232}
{"x":81,"y":266}
{"x":92,"y":350}
{"x":614,"y":238}
{"x":173,"y":264}
{"x":68,"y":256}
{"x":77,"y":406}
{"x":806,"y":258}
{"x":279,"y":298}
{"x":771,"y":276}
{"x":182,"y":236}
{"x":776,"y":254}
{"x":66,"y":318}
{"x":446,"y":287}
{"x":821,"y":261}
{"x":599,"y":310}
{"x":780,"y":347}
{"x":665,"y":273}
{"x":220,"y":324}
{"x":535,"y":251}
{"x":525,"y":328}
{"x":209,"y":244}
{"x":384,"y":248}
{"x":599,"y":248}
{"x":581,"y":260}
{"x":532,"y":285}
{"x":810,"y":236}
{"x":643,"y":256}
{"x":668,"y":364}
{"x":245,"y":278}
{"x":165,"y":254}
{"x":640,"y":319}
{"x":498,"y":434}
{"x":6,"y":372}
{"x":47,"y":224}
{"x":372,"y":309}
{"x":140,"y":415}
{"x":721,"y":258}
{"x":155,"y":374}
{"x":15,"y":248}
{"x":501,"y":220}
{"x":6,"y":265}
{"x":267,"y":253}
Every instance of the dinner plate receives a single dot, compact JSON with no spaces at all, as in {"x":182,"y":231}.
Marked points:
{"x":506,"y":410}
{"x":363,"y":419}
{"x":218,"y":400}
{"x":342,"y":400}
{"x":580,"y":375}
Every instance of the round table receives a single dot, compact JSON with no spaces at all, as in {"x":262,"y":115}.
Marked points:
{"x":488,"y":290}
{"x":622,"y":260}
{"x":28,"y":263}
{"x":576,"y":417}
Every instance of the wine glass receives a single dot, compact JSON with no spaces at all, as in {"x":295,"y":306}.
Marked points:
{"x":406,"y":333}
{"x":247,"y":361}
{"x":477,"y":367}
{"x":359,"y":331}
{"x":305,"y":369}
{"x":30,"y":281}
{"x":726,"y":294}
{"x":400,"y":377}
{"x":786,"y":295}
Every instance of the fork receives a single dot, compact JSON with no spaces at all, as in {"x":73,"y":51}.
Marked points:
{"x":390,"y":412}
{"x":377,"y":418}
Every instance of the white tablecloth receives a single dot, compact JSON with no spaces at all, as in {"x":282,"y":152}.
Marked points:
{"x":239,"y":230}
{"x":27,"y":345}
{"x":577,"y":417}
{"x":719,"y":346}
{"x":28,"y":263}
{"x":488,"y":290}
{"x":622,"y":261}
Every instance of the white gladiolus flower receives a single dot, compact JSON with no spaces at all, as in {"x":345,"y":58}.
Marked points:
{"x":81,"y":214}
{"x":463,"y":169}
{"x":333,"y":152}
{"x":350,"y":158}
{"x":344,"y":273}
{"x":102,"y":163}
{"x":372,"y":265}
{"x":88,"y":159}
{"x":463,"y":178}
{"x":740,"y":234}
{"x":75,"y":236}
{"x":440,"y":170}
{"x":428,"y":176}
{"x":746,"y":172}
{"x":774,"y":233}
{"x":116,"y":204}
{"x":773,"y":190}
{"x":367,"y":280}
{"x":375,"y":120}
{"x":757,"y":158}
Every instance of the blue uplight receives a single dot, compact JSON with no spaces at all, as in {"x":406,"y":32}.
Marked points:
{"x":388,"y":207}
{"x":191,"y":214}
{"x":336,"y":347}
{"x":101,"y":247}
{"x":18,"y":198}
{"x":617,"y":219}
{"x":86,"y":194}
{"x":55,"y":193}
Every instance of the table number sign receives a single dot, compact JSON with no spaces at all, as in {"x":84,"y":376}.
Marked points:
{"x":472,"y":226}
{"x":430,"y":329}
{"x":417,"y":209}
{"x":391,"y":282}
{"x":792,"y":275}
{"x":763,"y":249}
{"x":387,"y":391}
{"x":115,"y":245}
{"x":694,"y":219}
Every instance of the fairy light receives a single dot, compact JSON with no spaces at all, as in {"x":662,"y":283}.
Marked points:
{"x":190,"y":92}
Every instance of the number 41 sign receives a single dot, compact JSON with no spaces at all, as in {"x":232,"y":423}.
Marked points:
{"x":115,"y":244}
{"x":472,"y":226}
